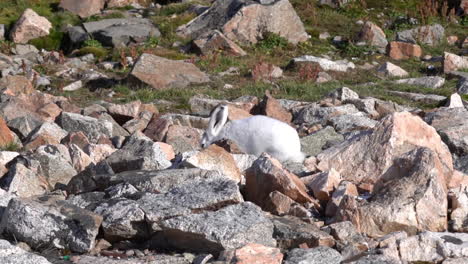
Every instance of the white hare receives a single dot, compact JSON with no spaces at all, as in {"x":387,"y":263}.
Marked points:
{"x":254,"y":135}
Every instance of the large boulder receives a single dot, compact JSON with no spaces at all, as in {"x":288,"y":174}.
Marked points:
{"x":118,"y":32}
{"x":373,"y":153}
{"x":50,"y":221}
{"x":92,"y":127}
{"x":15,"y":255}
{"x":161,"y":73}
{"x":453,"y":62}
{"x":83,"y":8}
{"x":29,"y":26}
{"x":373,"y":35}
{"x":398,"y":50}
{"x":247,"y":21}
{"x":428,"y":35}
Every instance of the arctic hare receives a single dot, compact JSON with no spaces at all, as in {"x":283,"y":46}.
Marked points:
{"x":254,"y":135}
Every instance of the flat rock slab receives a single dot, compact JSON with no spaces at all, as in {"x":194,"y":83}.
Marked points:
{"x":326,"y":64}
{"x":162,"y":73}
{"x":313,"y":143}
{"x":52,"y":223}
{"x":432,"y":82}
{"x":227,"y":228}
{"x":119,"y":32}
{"x":92,"y":127}
{"x":423,"y":98}
{"x":318,"y":255}
{"x":10,"y":254}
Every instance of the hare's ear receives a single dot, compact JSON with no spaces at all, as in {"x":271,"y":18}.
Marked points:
{"x":218,"y":119}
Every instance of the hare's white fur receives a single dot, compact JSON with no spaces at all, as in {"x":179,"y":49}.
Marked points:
{"x":255,"y":135}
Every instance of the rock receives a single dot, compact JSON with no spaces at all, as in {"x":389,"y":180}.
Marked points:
{"x":138,"y":153}
{"x":313,"y":144}
{"x":202,"y":106}
{"x":459,"y":213}
{"x":432,"y":82}
{"x":395,"y":133}
{"x":78,"y":139}
{"x":84,"y":8}
{"x":424,"y":98}
{"x":428,"y":35}
{"x":121,"y":32}
{"x":23,"y":49}
{"x":163,"y":73}
{"x":278,"y":203}
{"x":15,"y":85}
{"x":348,"y":123}
{"x":272,"y":108}
{"x":122,"y":219}
{"x":7,"y":156}
{"x":73,"y":86}
{"x":214,"y":41}
{"x":263,"y":71}
{"x":256,"y":253}
{"x":123,"y":113}
{"x":23,"y":181}
{"x":375,"y":259}
{"x":323,"y":184}
{"x":34,"y":104}
{"x":51,"y":222}
{"x":391,"y":70}
{"x":454,"y":62}
{"x":47,"y":133}
{"x":248,"y":22}
{"x":267,"y":175}
{"x":183,"y":139}
{"x":227,"y":228}
{"x":92,"y":127}
{"x":6,"y":135}
{"x":2,"y":32}
{"x":343,"y":188}
{"x":15,"y":255}
{"x":24,"y":125}
{"x":29,"y":26}
{"x":55,"y":163}
{"x":79,"y":159}
{"x":120,"y":3}
{"x":186,"y":120}
{"x":315,"y":114}
{"x":317,"y":255}
{"x":323,"y":77}
{"x":402,"y":50}
{"x":455,"y":260}
{"x":140,"y":123}
{"x":455,"y":101}
{"x":117,"y":130}
{"x":214,"y":158}
{"x":291,"y":232}
{"x":343,"y":94}
{"x":325,"y":64}
{"x":373,"y":35}
{"x":462,"y":86}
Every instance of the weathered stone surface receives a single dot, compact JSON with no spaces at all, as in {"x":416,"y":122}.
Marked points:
{"x":123,"y":113}
{"x":373,"y":35}
{"x":432,"y":82}
{"x":215,"y":41}
{"x":459,"y":205}
{"x":118,"y":32}
{"x":227,"y":228}
{"x":24,"y":125}
{"x":267,"y":175}
{"x":117,"y":130}
{"x":55,"y":164}
{"x":428,"y":35}
{"x":290,"y":232}
{"x":138,"y":153}
{"x":51,"y":222}
{"x":121,"y":3}
{"x":314,"y":114}
{"x":140,"y":123}
{"x":2,"y":32}
{"x":29,"y":26}
{"x":278,"y":203}
{"x":373,"y":153}
{"x":247,"y":22}
{"x":391,"y":70}
{"x":343,"y":94}
{"x":323,"y":184}
{"x":256,"y":253}
{"x":47,"y":133}
{"x":98,"y":152}
{"x":418,"y":97}
{"x":375,"y":259}
{"x":343,"y":188}
{"x":14,"y":85}
{"x":183,"y":138}
{"x":317,"y":255}
{"x":6,"y":135}
{"x":92,"y":127}
{"x":454,"y":62}
{"x":83,"y":8}
{"x":462,"y":85}
{"x":79,"y":159}
{"x":186,"y":120}
{"x":122,"y":219}
{"x":215,"y":158}
{"x":325,"y":64}
{"x":402,"y":50}
{"x":263,"y":71}
{"x":162,"y":73}
{"x":272,"y":108}
{"x":15,"y":255}
{"x":23,"y":182}
{"x":348,"y":123}
{"x":313,"y":144}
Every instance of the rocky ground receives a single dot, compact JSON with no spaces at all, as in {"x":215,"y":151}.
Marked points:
{"x":103,"y":104}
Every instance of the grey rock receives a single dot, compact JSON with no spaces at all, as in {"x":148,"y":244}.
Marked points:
{"x":317,"y":255}
{"x":124,"y":190}
{"x":429,"y":35}
{"x":197,"y":9}
{"x":2,"y":32}
{"x":47,"y":129}
{"x":117,"y":130}
{"x":190,"y":197}
{"x":244,"y":161}
{"x":91,"y":179}
{"x":158,"y":259}
{"x":122,"y":219}
{"x":227,"y":228}
{"x":55,"y":164}
{"x":343,"y":94}
{"x":313,"y":144}
{"x":366,"y":105}
{"x":121,"y":31}
{"x":325,"y":64}
{"x":10,"y":254}
{"x":375,"y":259}
{"x":74,"y":86}
{"x":455,"y":261}
{"x":51,"y":222}
{"x":349,"y":123}
{"x":462,"y":86}
{"x":290,"y":232}
{"x":138,"y":153}
{"x":23,"y":49}
{"x":188,"y":120}
{"x":5,"y":198}
{"x":314,"y":114}
{"x":92,"y":127}
{"x":432,"y":82}
{"x":77,"y":35}
{"x":423,"y":98}
{"x":24,"y":125}
{"x":88,"y":201}
{"x":23,"y":182}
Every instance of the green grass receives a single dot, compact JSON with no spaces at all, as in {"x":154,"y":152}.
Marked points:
{"x":12,"y":146}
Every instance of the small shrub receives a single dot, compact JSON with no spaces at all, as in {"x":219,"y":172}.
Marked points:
{"x":152,"y":42}
{"x":96,"y":51}
{"x":92,"y":43}
{"x":272,"y":41}
{"x":11,"y":146}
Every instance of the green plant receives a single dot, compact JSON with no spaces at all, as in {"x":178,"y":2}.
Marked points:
{"x":152,"y":42}
{"x":51,"y":42}
{"x":92,"y":43}
{"x":96,"y":51}
{"x":11,"y":146}
{"x":272,"y":41}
